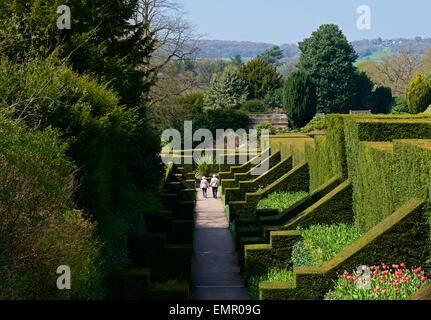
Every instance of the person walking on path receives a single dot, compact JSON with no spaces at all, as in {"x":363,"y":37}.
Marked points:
{"x":204,"y":186}
{"x":214,"y":186}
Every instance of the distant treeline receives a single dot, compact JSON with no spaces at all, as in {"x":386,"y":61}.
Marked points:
{"x":247,"y":49}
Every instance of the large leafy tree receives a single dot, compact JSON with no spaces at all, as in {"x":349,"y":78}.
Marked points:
{"x":299,"y":99}
{"x":328,"y":58}
{"x":228,"y":91}
{"x":260,"y":78}
{"x":418,"y":94}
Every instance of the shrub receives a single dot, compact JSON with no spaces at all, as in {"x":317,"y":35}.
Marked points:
{"x":273,"y":275}
{"x":193,"y":103}
{"x":299,"y":99}
{"x":254,"y":106}
{"x":205,"y":167}
{"x":380,"y":283}
{"x":39,"y":227}
{"x":281,"y":200}
{"x":325,"y":241}
{"x":221,"y":119}
{"x":418,"y":94}
{"x":399,"y":106}
{"x":265,"y":126}
{"x":316,"y":124}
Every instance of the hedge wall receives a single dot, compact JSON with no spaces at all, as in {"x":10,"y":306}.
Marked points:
{"x":403,"y":236}
{"x":241,"y":169}
{"x":334,"y":207}
{"x":238,"y":194}
{"x":375,"y":187}
{"x":227,"y":184}
{"x":318,"y":156}
{"x":167,"y":261}
{"x":259,"y":258}
{"x":295,"y":180}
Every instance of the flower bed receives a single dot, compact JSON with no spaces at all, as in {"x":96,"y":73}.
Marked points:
{"x":281,"y":200}
{"x":379,"y":283}
{"x":321,"y":243}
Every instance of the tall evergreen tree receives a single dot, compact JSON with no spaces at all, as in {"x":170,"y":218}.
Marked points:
{"x":299,"y":99}
{"x":260,"y":78}
{"x":328,"y":58}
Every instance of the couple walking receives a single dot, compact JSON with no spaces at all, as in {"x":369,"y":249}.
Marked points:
{"x":214,"y":185}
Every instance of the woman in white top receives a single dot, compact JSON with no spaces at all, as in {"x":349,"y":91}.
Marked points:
{"x":204,"y":186}
{"x":214,"y":186}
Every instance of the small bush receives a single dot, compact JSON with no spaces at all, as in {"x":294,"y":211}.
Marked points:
{"x":418,"y":94}
{"x":274,"y":274}
{"x":316,"y":124}
{"x":281,"y":200}
{"x":205,"y":167}
{"x":254,"y":106}
{"x":265,"y":126}
{"x":325,"y":241}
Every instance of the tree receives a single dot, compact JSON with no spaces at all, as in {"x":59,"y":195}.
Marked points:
{"x":395,"y":71}
{"x":418,"y":94}
{"x":363,"y":91}
{"x":229,"y":91}
{"x":206,"y":68}
{"x":237,"y":61}
{"x":272,"y":55}
{"x":328,"y":58}
{"x":299,"y":99}
{"x":260,"y":78}
{"x":172,"y":37}
{"x":381,"y":99}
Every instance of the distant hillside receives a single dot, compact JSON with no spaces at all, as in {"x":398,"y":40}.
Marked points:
{"x":367,"y":49}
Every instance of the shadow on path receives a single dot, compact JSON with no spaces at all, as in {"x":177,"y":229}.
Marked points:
{"x":215,"y":268}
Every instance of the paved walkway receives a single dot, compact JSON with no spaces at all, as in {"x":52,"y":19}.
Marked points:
{"x":215,"y":269}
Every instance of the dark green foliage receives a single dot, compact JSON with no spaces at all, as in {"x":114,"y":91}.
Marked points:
{"x":236,"y":61}
{"x":418,"y":94}
{"x":40,"y":227}
{"x":299,"y":99}
{"x":221,"y":119}
{"x":254,"y":106}
{"x":381,"y":100}
{"x":273,"y":98}
{"x":112,"y":146}
{"x":96,"y":43}
{"x":328,"y":58}
{"x":259,"y":77}
{"x":362,"y":95}
{"x":272,"y":55}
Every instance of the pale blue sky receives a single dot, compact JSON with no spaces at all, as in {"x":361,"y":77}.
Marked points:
{"x":290,"y":21}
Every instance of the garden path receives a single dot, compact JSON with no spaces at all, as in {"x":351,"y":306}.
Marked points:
{"x":215,"y":270}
